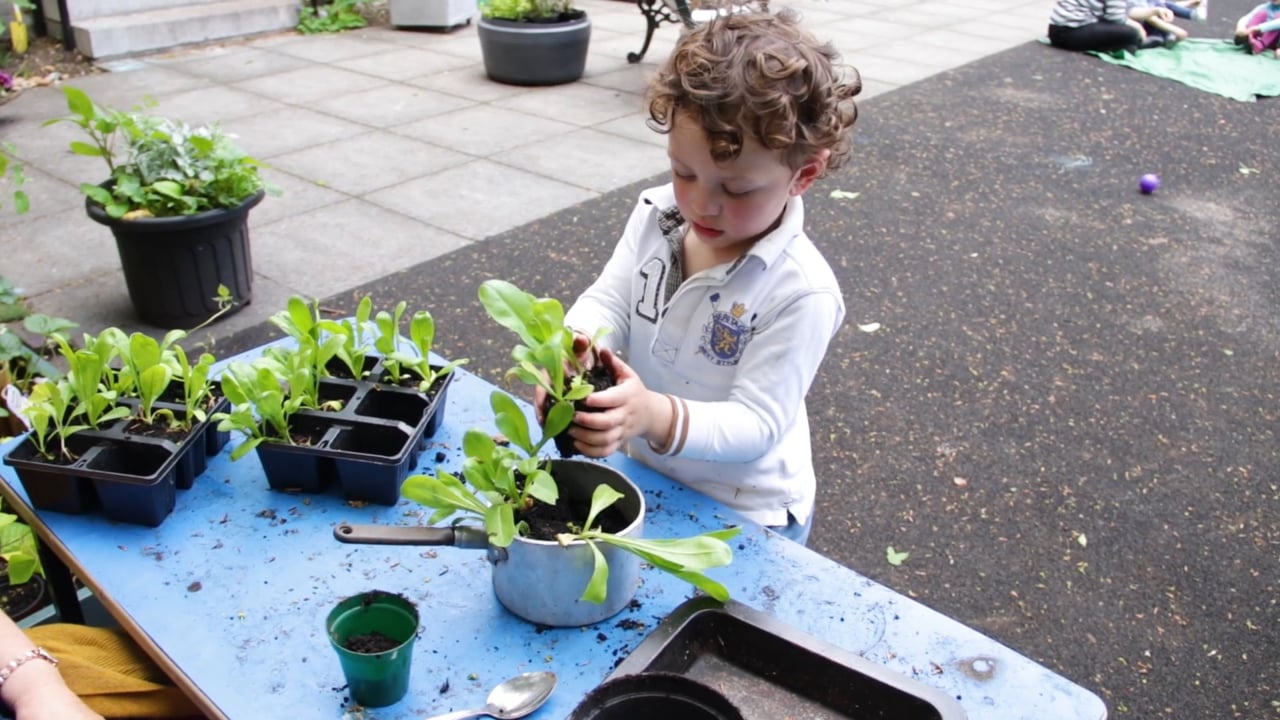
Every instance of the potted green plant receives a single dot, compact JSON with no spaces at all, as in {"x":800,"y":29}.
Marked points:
{"x":545,"y":356}
{"x":567,"y":533}
{"x":177,"y":199}
{"x":565,"y":536}
{"x":346,"y":402}
{"x":533,"y":42}
{"x":22,"y":587}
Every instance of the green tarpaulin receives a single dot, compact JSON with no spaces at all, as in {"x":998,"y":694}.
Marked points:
{"x":1215,"y":66}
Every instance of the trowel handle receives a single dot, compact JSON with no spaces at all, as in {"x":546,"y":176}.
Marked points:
{"x":463,"y":537}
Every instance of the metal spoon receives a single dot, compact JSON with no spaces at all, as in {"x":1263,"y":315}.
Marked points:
{"x":512,"y":698}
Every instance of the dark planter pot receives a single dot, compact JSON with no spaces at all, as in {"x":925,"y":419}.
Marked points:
{"x":174,"y":265}
{"x":132,"y":477}
{"x":655,"y":695}
{"x":366,"y":449}
{"x":534,"y":53}
{"x":19,"y":601}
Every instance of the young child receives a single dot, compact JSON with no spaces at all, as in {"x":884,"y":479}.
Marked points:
{"x":1259,"y":29}
{"x":721,"y":305}
{"x":1156,"y":17}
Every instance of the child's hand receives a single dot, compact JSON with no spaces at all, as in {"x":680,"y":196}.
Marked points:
{"x":624,"y":411}
{"x":582,"y":349}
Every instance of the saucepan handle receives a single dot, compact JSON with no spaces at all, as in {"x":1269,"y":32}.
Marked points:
{"x":458,"y":536}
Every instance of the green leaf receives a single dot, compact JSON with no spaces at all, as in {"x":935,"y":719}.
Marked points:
{"x":598,"y":586}
{"x":895,"y":558}
{"x":558,"y":419}
{"x":601,"y":498}
{"x":510,"y":306}
{"x":499,"y":520}
{"x":78,"y":102}
{"x":511,"y":420}
{"x":541,"y":485}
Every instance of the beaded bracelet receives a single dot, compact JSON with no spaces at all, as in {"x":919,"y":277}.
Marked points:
{"x":36,"y":653}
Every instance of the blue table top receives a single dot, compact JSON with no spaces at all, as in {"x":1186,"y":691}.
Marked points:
{"x":235,"y":585}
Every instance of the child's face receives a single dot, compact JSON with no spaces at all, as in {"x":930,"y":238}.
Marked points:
{"x":730,"y":205}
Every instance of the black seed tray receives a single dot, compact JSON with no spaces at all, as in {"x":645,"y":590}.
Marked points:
{"x":771,"y":670}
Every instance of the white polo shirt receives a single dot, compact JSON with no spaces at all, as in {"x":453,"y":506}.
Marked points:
{"x":740,"y":343}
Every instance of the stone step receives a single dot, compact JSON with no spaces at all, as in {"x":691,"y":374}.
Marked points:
{"x":121,"y":34}
{"x":85,"y":9}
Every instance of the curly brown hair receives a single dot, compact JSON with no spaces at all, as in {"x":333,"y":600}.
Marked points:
{"x":759,"y":73}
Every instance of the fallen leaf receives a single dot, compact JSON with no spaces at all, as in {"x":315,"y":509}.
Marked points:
{"x":960,"y":482}
{"x":869,"y":327}
{"x":1248,"y":170}
{"x":844,"y":195}
{"x":1084,"y":541}
{"x":895,"y":558}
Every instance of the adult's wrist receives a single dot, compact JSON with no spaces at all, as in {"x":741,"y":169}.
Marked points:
{"x":31,"y":683}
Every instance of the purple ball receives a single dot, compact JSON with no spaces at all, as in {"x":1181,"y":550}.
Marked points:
{"x":1149,"y":183}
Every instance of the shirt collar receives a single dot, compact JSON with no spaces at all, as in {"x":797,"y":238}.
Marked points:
{"x":767,"y":248}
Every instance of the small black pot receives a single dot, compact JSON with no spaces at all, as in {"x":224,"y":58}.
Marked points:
{"x":655,"y":695}
{"x":19,"y":601}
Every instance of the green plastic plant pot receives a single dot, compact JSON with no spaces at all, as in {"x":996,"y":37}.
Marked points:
{"x":381,"y":678}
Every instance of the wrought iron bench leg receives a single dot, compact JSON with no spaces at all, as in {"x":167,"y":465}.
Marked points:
{"x":655,"y":13}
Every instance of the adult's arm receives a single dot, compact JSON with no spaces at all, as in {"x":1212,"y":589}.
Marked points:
{"x":35,"y":689}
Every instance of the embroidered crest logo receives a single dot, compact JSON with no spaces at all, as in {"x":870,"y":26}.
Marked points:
{"x":725,"y":335}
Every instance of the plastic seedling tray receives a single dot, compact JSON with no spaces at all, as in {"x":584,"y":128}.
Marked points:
{"x":367,"y":448}
{"x":132,"y":476}
{"x":771,"y":670}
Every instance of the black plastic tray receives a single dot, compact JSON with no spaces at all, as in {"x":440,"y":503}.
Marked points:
{"x":367,"y":448}
{"x":132,"y":476}
{"x":771,"y":670}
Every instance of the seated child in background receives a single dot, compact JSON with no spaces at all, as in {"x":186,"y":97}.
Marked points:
{"x":1156,"y":17}
{"x":1259,"y":29}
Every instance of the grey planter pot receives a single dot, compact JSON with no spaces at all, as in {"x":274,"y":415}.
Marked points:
{"x":527,"y":53}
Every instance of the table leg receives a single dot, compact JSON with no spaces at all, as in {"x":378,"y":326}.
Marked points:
{"x":61,"y":587}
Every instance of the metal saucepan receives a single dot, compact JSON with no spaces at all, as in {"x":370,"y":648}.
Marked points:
{"x":541,"y":580}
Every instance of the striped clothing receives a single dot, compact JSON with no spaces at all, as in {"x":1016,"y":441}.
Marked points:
{"x":1077,"y":13}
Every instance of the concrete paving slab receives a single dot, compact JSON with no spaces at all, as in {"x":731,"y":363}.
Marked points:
{"x":484,"y":130}
{"x":479,"y":199}
{"x":348,"y":243}
{"x":591,"y":159}
{"x":298,"y":196}
{"x":308,"y":84}
{"x":125,"y":90}
{"x":230,"y":63}
{"x":48,"y":196}
{"x":404,"y":63}
{"x":56,"y":249}
{"x":390,"y":105}
{"x":367,"y":162}
{"x":468,"y":82}
{"x":217,"y":104}
{"x":577,"y":103}
{"x":329,"y":48}
{"x":292,"y":128}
